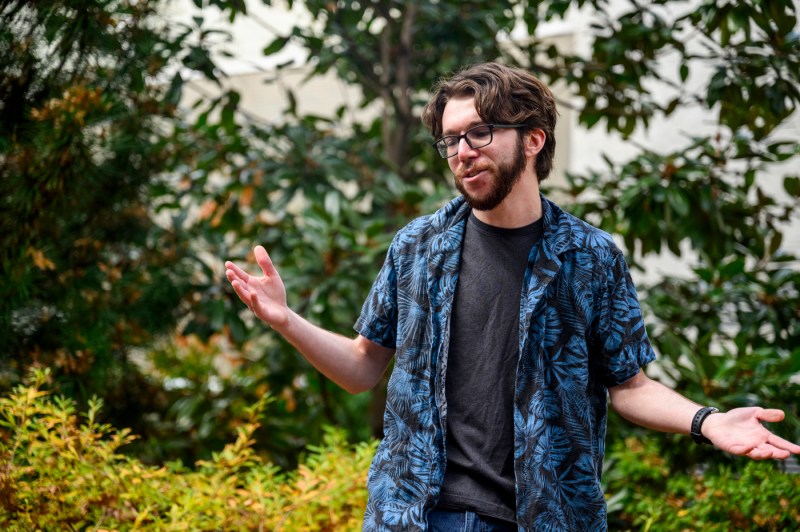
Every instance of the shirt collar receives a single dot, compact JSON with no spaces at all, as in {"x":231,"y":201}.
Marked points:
{"x":557,"y":230}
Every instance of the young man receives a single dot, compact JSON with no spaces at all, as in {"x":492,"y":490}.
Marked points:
{"x":510,"y":321}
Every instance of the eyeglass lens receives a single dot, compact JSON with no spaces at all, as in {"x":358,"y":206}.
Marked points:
{"x":477,"y":137}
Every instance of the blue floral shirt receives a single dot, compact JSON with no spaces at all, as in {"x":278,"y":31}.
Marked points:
{"x":581,"y":331}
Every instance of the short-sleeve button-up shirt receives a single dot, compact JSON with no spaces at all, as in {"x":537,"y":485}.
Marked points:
{"x":580,"y":332}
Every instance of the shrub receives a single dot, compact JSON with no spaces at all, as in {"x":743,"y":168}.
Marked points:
{"x":60,"y":470}
{"x":64,"y":471}
{"x":744,"y":495}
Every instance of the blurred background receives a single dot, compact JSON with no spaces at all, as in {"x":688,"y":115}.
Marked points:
{"x":143,"y":143}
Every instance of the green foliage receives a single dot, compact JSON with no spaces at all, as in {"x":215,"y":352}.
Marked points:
{"x":644,"y":495}
{"x":326,"y":208}
{"x":62,"y":470}
{"x":728,"y":333}
{"x":117,"y":207}
{"x":81,"y":258}
{"x":87,"y":272}
{"x":394,"y":51}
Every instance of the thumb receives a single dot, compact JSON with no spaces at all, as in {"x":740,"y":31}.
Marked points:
{"x":770,"y":415}
{"x":263,"y":260}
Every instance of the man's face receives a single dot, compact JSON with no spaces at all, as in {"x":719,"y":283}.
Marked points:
{"x":484,"y":176}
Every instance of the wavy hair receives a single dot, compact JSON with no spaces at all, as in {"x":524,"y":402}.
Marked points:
{"x":503,"y":95}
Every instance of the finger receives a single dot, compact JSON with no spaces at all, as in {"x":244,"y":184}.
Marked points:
{"x":759,"y":454}
{"x":263,"y":260}
{"x":240,"y":273}
{"x":243,"y":292}
{"x":768,"y":451}
{"x":233,"y":276}
{"x":770,"y":415}
{"x":780,"y":443}
{"x":780,"y":454}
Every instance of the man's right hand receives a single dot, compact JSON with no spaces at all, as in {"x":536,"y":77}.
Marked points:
{"x":265,"y":296}
{"x":354,"y":364}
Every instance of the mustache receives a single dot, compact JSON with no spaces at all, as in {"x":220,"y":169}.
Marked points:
{"x":472,"y":169}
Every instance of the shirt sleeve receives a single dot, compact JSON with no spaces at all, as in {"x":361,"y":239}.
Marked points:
{"x":378,"y":319}
{"x":624,"y":347}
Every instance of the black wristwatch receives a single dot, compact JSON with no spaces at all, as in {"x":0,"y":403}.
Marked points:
{"x":697,"y":423}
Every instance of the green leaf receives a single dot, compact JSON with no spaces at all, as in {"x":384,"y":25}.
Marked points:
{"x":792,"y":186}
{"x":684,"y":71}
{"x":275,"y":46}
{"x":732,"y":268}
{"x":333,"y":204}
{"x":775,"y":243}
{"x":175,"y":89}
{"x":678,"y":201}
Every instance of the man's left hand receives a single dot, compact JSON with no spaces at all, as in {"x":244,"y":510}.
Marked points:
{"x":740,"y":432}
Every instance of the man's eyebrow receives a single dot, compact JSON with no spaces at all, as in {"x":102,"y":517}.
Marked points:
{"x":472,"y":124}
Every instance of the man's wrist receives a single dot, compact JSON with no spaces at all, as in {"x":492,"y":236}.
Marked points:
{"x":697,"y":424}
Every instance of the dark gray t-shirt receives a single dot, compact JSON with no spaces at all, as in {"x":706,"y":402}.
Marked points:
{"x":481,"y":369}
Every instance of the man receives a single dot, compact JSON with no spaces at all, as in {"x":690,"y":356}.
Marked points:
{"x":510,"y":321}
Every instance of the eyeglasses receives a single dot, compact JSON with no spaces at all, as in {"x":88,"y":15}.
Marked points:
{"x":476,"y":137}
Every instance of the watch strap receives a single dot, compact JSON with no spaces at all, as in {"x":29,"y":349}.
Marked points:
{"x":697,"y":424}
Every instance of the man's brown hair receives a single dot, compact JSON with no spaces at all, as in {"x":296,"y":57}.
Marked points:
{"x":503,"y":95}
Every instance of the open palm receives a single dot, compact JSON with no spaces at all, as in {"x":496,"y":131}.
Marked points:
{"x":266,"y":295}
{"x":739,"y":431}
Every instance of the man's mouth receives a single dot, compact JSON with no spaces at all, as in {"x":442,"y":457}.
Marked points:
{"x":471,"y":173}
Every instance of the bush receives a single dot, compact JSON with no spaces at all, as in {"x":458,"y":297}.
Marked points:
{"x":645,"y":495}
{"x":64,"y":471}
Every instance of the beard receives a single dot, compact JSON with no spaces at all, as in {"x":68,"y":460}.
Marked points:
{"x":506,"y":174}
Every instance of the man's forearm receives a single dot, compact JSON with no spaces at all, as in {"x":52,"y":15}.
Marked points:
{"x":739,"y":431}
{"x":650,"y":404}
{"x":354,"y":364}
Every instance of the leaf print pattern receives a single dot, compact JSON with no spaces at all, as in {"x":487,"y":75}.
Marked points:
{"x":581,"y":331}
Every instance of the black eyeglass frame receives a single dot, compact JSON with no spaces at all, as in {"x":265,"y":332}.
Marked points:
{"x":443,"y":150}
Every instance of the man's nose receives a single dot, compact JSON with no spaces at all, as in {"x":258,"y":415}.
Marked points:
{"x":465,"y":151}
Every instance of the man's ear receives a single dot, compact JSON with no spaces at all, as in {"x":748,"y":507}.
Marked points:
{"x":534,"y":142}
